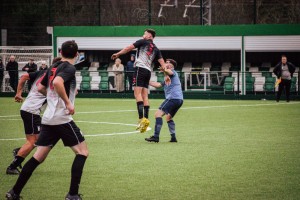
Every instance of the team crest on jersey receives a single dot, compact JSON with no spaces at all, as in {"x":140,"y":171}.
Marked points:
{"x":150,"y":50}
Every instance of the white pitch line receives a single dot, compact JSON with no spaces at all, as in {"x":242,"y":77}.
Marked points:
{"x":229,"y":106}
{"x":184,"y":108}
{"x":10,"y":116}
{"x":93,"y":135}
{"x":10,"y":119}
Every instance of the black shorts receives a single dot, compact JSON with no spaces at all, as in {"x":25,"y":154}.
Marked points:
{"x":171,"y":106}
{"x":141,"y":77}
{"x":32,"y":122}
{"x":69,"y":133}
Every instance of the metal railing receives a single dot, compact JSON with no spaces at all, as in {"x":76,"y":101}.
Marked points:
{"x":106,"y":81}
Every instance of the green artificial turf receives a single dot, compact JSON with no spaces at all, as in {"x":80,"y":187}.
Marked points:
{"x":225,"y":150}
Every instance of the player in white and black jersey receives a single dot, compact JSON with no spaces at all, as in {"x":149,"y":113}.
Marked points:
{"x":59,"y":84}
{"x":146,"y":54}
{"x":30,"y":113}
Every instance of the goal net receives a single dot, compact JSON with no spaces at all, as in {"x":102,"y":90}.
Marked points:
{"x":22,"y":55}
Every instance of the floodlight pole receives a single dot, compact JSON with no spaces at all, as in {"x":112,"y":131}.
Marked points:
{"x":149,"y":11}
{"x":254,"y":12}
{"x":201,"y":12}
{"x":205,"y":11}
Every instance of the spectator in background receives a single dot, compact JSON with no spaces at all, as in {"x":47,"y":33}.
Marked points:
{"x":12,"y":68}
{"x":43,"y":66}
{"x":81,"y":56}
{"x":118,"y":69}
{"x":284,"y":71}
{"x":130,"y":70}
{"x":30,"y":66}
{"x":1,"y":74}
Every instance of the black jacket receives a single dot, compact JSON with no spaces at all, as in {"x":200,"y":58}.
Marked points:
{"x":31,"y":67}
{"x":1,"y":69}
{"x":12,"y":66}
{"x":278,"y":70}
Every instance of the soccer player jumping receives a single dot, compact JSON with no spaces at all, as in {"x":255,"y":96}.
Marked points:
{"x":146,"y":54}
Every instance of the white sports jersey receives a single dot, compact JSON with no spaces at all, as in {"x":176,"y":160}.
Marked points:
{"x":56,"y":112}
{"x":146,"y":53}
{"x":34,"y":100}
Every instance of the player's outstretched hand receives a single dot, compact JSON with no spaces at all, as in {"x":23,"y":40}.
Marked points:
{"x":19,"y":98}
{"x":161,"y":69}
{"x":114,"y":56}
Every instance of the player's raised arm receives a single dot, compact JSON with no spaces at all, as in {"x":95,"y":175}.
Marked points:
{"x":123,"y":51}
{"x":155,"y":84}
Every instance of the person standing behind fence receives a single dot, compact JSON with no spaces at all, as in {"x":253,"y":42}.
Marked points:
{"x":118,"y":69}
{"x":130,"y":70}
{"x":1,"y":74}
{"x":284,"y":70}
{"x":43,"y":66}
{"x":12,"y":68}
{"x":30,"y":66}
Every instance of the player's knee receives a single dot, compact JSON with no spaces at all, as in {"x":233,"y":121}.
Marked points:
{"x":168,"y":118}
{"x":158,"y":114}
{"x":40,"y":159}
{"x":84,"y":153}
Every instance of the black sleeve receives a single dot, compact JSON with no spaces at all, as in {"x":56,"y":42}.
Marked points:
{"x":67,"y":73}
{"x":139,"y":43}
{"x":44,"y":81}
{"x":293,"y":67}
{"x":26,"y":66}
{"x":158,"y":54}
{"x":33,"y":68}
{"x":7,"y":66}
{"x":276,"y":69}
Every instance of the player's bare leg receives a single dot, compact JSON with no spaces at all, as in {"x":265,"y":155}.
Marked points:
{"x":145,"y":121}
{"x":140,"y":104}
{"x":22,"y":154}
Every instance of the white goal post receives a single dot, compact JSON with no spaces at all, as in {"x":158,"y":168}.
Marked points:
{"x":22,"y":55}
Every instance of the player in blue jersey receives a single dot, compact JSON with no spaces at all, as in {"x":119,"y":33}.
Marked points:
{"x":172,"y":103}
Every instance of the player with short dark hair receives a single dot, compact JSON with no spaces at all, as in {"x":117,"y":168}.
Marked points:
{"x":172,"y":103}
{"x":30,"y":113}
{"x":146,"y":54}
{"x":59,"y":84}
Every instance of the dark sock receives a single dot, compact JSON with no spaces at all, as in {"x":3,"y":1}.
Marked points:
{"x":76,"y":173}
{"x":171,"y":125}
{"x":158,"y":125}
{"x":25,"y":174}
{"x":146,"y":111}
{"x":140,"y":108}
{"x":16,"y":162}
